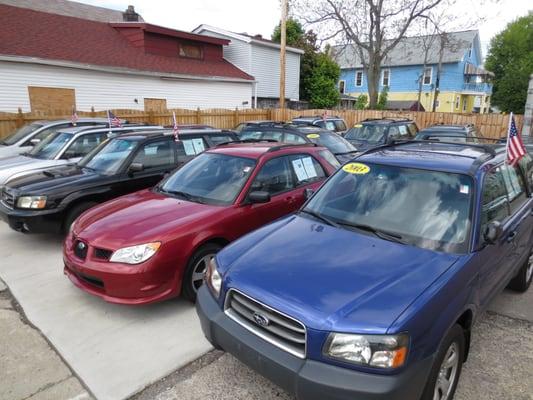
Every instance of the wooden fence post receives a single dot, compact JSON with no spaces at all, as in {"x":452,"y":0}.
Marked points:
{"x":235,"y":116}
{"x":198,"y":116}
{"x":20,"y":118}
{"x":93,"y":113}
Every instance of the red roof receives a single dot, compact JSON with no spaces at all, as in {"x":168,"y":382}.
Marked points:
{"x":30,"y":33}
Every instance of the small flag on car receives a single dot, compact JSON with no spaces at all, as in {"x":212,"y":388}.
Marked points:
{"x":175,"y":127}
{"x":324,"y":116}
{"x":515,"y":146}
{"x":113,"y":120}
{"x":74,"y":118}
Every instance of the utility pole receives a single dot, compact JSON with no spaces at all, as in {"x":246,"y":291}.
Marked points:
{"x":283,"y":28}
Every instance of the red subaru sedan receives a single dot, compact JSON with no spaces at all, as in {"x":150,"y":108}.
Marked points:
{"x":155,"y":244}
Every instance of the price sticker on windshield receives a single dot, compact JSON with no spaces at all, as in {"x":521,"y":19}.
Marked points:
{"x":356,"y":168}
{"x":358,"y":126}
{"x":313,"y":136}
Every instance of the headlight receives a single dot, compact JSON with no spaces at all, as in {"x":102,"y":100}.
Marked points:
{"x":31,"y":202}
{"x":213,"y":278}
{"x":135,"y":254}
{"x":381,"y":351}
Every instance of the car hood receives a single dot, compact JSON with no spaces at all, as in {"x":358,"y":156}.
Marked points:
{"x":141,"y":217}
{"x":7,"y":151}
{"x":49,"y":179}
{"x":10,"y":166}
{"x":328,"y":278}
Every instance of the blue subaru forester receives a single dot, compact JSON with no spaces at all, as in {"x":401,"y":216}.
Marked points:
{"x":371,"y":290}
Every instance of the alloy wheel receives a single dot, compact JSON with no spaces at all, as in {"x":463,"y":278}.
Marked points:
{"x":529,"y":270}
{"x":447,"y":373}
{"x":199,"y":270}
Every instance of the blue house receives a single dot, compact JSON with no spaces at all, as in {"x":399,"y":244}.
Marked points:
{"x":464,"y":86}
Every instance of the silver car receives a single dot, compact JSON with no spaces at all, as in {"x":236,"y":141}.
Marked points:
{"x":61,"y":147}
{"x":25,"y":138}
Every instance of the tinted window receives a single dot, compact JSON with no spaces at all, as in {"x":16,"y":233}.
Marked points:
{"x":292,"y":138}
{"x":190,"y":147}
{"x":109,"y":157}
{"x":394,"y":133}
{"x":20,"y":134}
{"x":51,"y":145}
{"x":251,"y":135}
{"x":335,"y":143}
{"x":413,"y":129}
{"x":83,"y":145}
{"x":210,"y":178}
{"x":274,"y":177}
{"x":340,"y":125}
{"x":217,"y":139}
{"x":239,"y":127}
{"x":306,"y":169}
{"x":155,"y":154}
{"x":330,"y":158}
{"x":424,"y":208}
{"x":495,"y":206}
{"x":404,"y":132}
{"x":515,"y":186}
{"x":367,"y":133}
{"x":526,"y":163}
{"x":272,"y":135}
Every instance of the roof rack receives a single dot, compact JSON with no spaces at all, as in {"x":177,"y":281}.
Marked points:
{"x":248,"y":141}
{"x":287,"y":145}
{"x":387,"y":118}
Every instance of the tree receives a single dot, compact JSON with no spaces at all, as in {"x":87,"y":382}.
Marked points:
{"x":360,"y":103}
{"x":375,"y":27}
{"x":312,"y":59}
{"x":510,"y":58}
{"x":323,"y":83}
{"x":382,"y":100}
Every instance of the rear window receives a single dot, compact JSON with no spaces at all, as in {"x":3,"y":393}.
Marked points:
{"x":217,"y":139}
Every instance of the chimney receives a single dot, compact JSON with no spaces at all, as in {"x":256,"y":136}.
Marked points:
{"x":130,"y":15}
{"x":258,"y":36}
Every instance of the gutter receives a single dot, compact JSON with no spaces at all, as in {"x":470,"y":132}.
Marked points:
{"x":121,"y":70}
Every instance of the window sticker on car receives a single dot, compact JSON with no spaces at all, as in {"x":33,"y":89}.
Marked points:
{"x":356,"y":168}
{"x":188,"y":147}
{"x":198,"y":145}
{"x":309,"y":167}
{"x":358,"y":126}
{"x":313,"y":136}
{"x":464,"y":189}
{"x":304,"y":168}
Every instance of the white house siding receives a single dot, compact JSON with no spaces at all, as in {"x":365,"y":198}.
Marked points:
{"x":266,"y":71}
{"x":103,"y":90}
{"x":238,"y":52}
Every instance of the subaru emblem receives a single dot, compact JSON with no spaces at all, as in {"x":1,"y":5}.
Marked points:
{"x":261,"y":320}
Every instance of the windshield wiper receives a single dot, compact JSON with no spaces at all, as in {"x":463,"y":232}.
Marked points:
{"x":185,"y":195}
{"x":346,"y":152}
{"x":386,"y":235}
{"x":320,"y":217}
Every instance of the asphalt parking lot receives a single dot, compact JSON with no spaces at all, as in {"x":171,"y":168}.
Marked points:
{"x":116,"y":351}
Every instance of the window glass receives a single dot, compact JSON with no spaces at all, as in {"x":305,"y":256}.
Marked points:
{"x":51,"y":145}
{"x":385,"y":77}
{"x":526,"y":163}
{"x":20,"y":134}
{"x":404,"y":132}
{"x":494,"y":199}
{"x":394,"y":132}
{"x":83,"y":145}
{"x":190,"y":147}
{"x":292,"y":138}
{"x":330,"y":158}
{"x":335,"y":143}
{"x":191,"y":51}
{"x":427,"y":75}
{"x":109,"y":156}
{"x":272,"y":135}
{"x":514,"y":184}
{"x":366,"y":133}
{"x":306,"y":169}
{"x":256,"y":135}
{"x":359,"y":78}
{"x":413,"y":129}
{"x":275,"y":177}
{"x":155,"y":154}
{"x":339,"y":125}
{"x":341,"y":86}
{"x":329,"y":125}
{"x":239,"y":127}
{"x":217,"y":139}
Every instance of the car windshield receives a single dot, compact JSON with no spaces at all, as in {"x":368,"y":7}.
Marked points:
{"x":20,"y":134}
{"x":428,"y":209}
{"x":51,"y":145}
{"x":335,"y":143}
{"x":210,"y":178}
{"x":367,"y":133}
{"x":444,"y":137}
{"x":109,"y":156}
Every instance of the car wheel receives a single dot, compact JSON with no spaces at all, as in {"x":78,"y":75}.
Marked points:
{"x":446,"y":370}
{"x":196,"y":268}
{"x":522,"y":281}
{"x":74,"y":213}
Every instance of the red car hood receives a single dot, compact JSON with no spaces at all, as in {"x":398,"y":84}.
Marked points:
{"x":140,"y":217}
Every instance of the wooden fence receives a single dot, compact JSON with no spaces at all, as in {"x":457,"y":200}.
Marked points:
{"x":490,"y":125}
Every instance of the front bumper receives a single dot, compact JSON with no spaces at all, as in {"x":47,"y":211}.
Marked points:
{"x":32,"y":221}
{"x":305,"y":379}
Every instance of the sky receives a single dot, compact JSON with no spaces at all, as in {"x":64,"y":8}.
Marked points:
{"x":261,"y":16}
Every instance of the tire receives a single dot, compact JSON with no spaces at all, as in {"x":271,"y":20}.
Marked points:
{"x":74,"y":213}
{"x":521,"y":282}
{"x":446,"y":370}
{"x":196,"y":267}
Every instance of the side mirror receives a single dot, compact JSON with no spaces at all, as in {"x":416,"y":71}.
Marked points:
{"x":493,"y":232}
{"x":308,"y":193}
{"x":259,"y":196}
{"x":35,"y":141}
{"x":135,"y":167}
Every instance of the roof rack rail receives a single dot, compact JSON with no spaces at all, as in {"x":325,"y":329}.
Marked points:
{"x":287,"y":145}
{"x":248,"y":141}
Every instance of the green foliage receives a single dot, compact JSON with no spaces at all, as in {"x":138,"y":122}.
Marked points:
{"x":311,"y":84}
{"x":361,"y":102}
{"x":510,"y":57}
{"x":382,"y":99}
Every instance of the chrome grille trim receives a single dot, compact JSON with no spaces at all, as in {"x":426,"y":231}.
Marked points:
{"x":283,"y":331}
{"x":7,"y":199}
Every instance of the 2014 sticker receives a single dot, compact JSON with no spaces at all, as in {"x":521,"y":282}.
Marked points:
{"x":356,"y":168}
{"x":313,"y":136}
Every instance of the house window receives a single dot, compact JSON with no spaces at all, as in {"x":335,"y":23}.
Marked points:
{"x":437,"y":104}
{"x":385,"y":77}
{"x":465,"y":102}
{"x":359,"y":78}
{"x":428,"y":72}
{"x":341,"y":86}
{"x":457,"y":100}
{"x":191,"y":51}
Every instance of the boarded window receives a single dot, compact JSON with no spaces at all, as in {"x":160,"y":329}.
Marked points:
{"x":47,"y":99}
{"x":151,"y":104}
{"x":191,"y":51}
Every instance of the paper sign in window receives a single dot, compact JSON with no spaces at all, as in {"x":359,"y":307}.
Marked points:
{"x":188,"y":147}
{"x":299,"y":169}
{"x":198,"y":145}
{"x":309,"y":167}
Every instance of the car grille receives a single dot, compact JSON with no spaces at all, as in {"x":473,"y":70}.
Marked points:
{"x":276,"y":328}
{"x":7,"y":198}
{"x":102,"y":254}
{"x":80,"y":249}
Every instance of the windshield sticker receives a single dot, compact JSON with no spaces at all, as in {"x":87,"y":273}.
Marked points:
{"x":313,"y":136}
{"x":464,"y":189}
{"x":358,"y":126}
{"x":356,"y":168}
{"x":247,"y":169}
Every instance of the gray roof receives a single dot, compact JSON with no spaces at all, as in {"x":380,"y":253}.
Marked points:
{"x":410,"y":50}
{"x":70,"y":9}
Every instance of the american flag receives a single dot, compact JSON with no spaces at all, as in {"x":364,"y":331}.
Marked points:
{"x":113,"y":120}
{"x":515,"y":147}
{"x":325,"y":116}
{"x":74,"y":118}
{"x":175,"y":127}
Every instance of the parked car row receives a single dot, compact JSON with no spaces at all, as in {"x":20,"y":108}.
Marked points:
{"x":336,"y":269}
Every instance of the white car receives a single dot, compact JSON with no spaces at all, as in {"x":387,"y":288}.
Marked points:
{"x":61,"y":147}
{"x":25,"y":138}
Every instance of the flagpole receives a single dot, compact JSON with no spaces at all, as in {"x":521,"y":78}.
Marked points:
{"x":508,"y":134}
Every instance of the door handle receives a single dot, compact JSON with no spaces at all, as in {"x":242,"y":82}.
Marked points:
{"x":511,"y":236}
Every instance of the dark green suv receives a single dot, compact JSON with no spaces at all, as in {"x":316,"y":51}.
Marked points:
{"x":377,"y":131}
